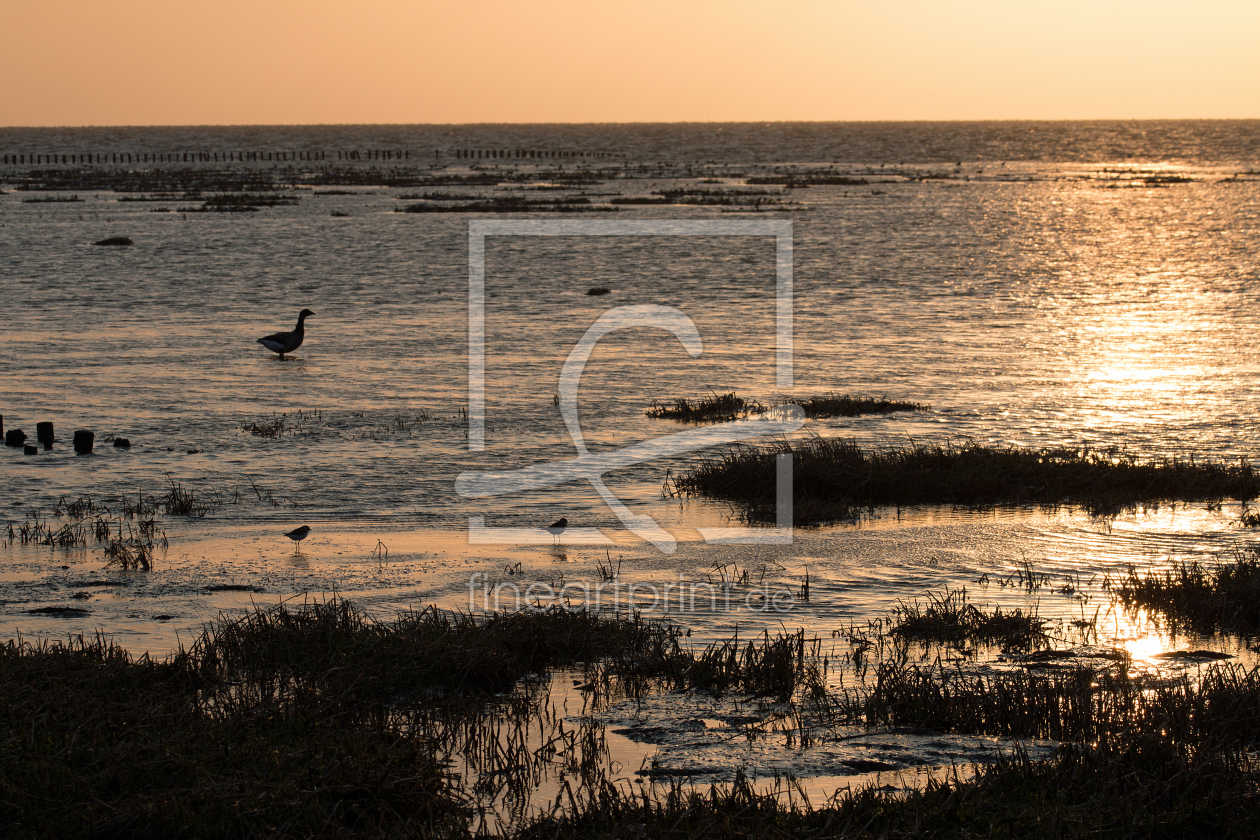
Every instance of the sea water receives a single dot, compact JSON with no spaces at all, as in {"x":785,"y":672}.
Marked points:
{"x":1035,"y":284}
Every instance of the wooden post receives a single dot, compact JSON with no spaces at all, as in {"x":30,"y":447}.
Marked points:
{"x":83,"y":442}
{"x":44,"y":433}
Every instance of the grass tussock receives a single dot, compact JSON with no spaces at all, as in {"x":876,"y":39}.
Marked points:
{"x":950,"y":619}
{"x":1190,"y":594}
{"x":135,"y":550}
{"x":272,"y":428}
{"x":181,"y":502}
{"x":773,"y":668}
{"x":843,"y":405}
{"x":712,"y":409}
{"x":1099,"y":699}
{"x":510,"y":204}
{"x":79,"y":508}
{"x":36,"y":530}
{"x":425,"y":649}
{"x":835,"y":479}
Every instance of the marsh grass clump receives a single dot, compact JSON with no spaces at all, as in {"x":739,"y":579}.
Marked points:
{"x":1221,"y":596}
{"x":79,"y":508}
{"x":510,"y":204}
{"x":290,"y":423}
{"x":232,"y":202}
{"x":843,"y":405}
{"x":1025,"y":577}
{"x":712,"y":409}
{"x":949,"y":619}
{"x":772,"y":668}
{"x":272,"y":428}
{"x":1096,"y":698}
{"x":1111,"y":707}
{"x":796,"y":181}
{"x":135,"y":550}
{"x":180,"y":502}
{"x":429,"y":648}
{"x":140,"y":507}
{"x":35,"y":530}
{"x":835,"y":479}
{"x":706,"y":197}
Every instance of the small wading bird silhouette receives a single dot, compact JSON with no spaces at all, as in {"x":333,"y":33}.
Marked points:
{"x":297,"y":535}
{"x":287,"y":342}
{"x":557,"y":528}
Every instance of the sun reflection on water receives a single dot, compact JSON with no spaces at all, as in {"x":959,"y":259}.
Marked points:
{"x":1141,"y":636}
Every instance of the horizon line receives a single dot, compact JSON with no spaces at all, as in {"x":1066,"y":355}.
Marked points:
{"x":644,"y":122}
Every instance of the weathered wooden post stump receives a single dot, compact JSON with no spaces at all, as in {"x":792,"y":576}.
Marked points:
{"x":122,"y":443}
{"x":44,"y":433}
{"x":83,"y":442}
{"x":14,"y":437}
{"x":30,"y":449}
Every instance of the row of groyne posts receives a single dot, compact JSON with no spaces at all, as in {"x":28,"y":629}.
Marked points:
{"x":277,"y":156}
{"x":83,"y":439}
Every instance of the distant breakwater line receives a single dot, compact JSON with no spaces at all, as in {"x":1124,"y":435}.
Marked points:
{"x":285,"y":156}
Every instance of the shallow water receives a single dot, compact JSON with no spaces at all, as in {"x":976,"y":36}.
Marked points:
{"x":1051,"y":294}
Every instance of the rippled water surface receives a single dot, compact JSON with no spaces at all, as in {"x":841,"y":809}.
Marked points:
{"x":1035,"y":284}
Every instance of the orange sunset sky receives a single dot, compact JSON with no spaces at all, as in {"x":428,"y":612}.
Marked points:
{"x":154,"y":62}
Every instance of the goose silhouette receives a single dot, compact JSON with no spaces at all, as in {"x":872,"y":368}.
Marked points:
{"x":287,"y":342}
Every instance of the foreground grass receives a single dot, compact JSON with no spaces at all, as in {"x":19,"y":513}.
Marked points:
{"x":835,"y":479}
{"x":99,"y":744}
{"x":317,"y":721}
{"x":1077,"y":794}
{"x":1141,"y":755}
{"x":291,"y":722}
